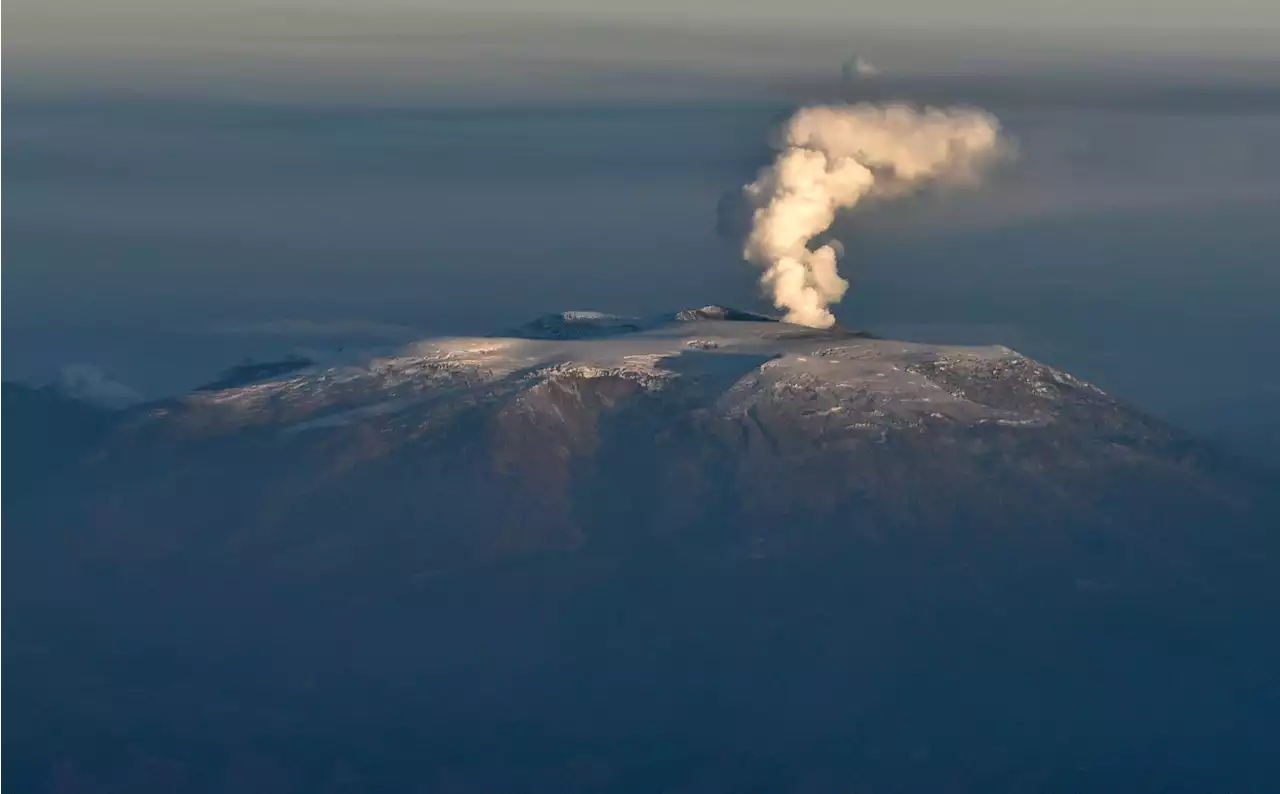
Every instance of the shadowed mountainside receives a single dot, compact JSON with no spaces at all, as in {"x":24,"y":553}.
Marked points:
{"x":692,"y":551}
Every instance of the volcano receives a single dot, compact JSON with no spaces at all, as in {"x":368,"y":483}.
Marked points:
{"x":640,"y":553}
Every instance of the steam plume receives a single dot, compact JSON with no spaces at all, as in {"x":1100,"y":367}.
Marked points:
{"x":831,"y":157}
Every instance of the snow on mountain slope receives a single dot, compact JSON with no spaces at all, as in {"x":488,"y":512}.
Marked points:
{"x":851,"y":380}
{"x":708,"y":525}
{"x":509,"y":443}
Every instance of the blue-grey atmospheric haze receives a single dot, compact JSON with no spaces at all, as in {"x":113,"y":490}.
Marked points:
{"x":158,"y":230}
{"x":195,"y":184}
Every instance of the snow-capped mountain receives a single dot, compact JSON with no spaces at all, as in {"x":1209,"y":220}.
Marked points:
{"x":697,"y":527}
{"x":699,"y":407}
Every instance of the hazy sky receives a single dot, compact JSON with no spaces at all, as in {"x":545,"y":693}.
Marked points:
{"x":458,"y":166}
{"x":501,"y":49}
{"x":1148,"y":14}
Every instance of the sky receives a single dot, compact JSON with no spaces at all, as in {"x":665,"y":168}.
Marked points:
{"x":923,"y":13}
{"x":383,"y":50}
{"x":1149,"y":14}
{"x":190,"y":183}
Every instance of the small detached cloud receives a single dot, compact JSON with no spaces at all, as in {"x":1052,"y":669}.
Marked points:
{"x":87,"y":383}
{"x":858,"y":68}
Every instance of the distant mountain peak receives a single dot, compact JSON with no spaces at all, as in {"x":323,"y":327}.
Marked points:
{"x":726,"y":313}
{"x":88,"y":384}
{"x":594,"y":324}
{"x":575,"y":325}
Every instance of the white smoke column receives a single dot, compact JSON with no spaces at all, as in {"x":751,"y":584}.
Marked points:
{"x":830,"y":158}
